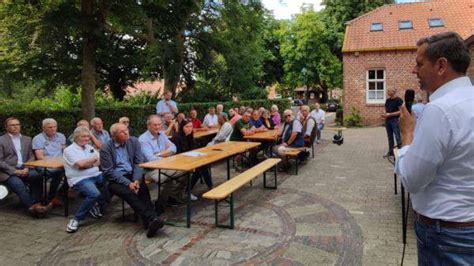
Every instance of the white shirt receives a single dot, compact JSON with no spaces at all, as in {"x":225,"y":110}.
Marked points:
{"x":438,"y":167}
{"x":17,"y":143}
{"x":309,"y":126}
{"x":210,"y":120}
{"x":318,"y":116}
{"x":74,"y":153}
{"x":224,"y":133}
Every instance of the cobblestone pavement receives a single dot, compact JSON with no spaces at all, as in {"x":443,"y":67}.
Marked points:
{"x":340,"y":209}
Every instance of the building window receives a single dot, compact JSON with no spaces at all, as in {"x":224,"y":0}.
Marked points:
{"x":375,"y":86}
{"x":435,"y":22}
{"x":405,"y":24}
{"x":377,"y":26}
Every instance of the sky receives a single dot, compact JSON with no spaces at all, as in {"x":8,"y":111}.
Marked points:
{"x":283,"y":9}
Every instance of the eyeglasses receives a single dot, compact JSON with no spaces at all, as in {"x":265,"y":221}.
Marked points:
{"x":288,"y":115}
{"x":126,"y":122}
{"x":14,"y":125}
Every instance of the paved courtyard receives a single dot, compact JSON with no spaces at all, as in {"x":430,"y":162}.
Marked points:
{"x":340,"y":209}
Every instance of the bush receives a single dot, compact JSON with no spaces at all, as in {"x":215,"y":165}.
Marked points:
{"x":354,"y":119}
{"x":68,"y":117}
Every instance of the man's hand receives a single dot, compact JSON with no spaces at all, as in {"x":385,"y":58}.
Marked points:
{"x":407,"y":126}
{"x":21,"y":173}
{"x":284,"y":144}
{"x":134,"y":186}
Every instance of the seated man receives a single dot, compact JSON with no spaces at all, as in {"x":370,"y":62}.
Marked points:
{"x":291,"y":136}
{"x":210,"y":120}
{"x":318,"y":114}
{"x":309,"y":127}
{"x":242,"y":128}
{"x":15,"y":149}
{"x":119,"y":159}
{"x":220,"y":110}
{"x":234,"y":116}
{"x":49,"y":144}
{"x":167,"y":125}
{"x":99,"y":135}
{"x":224,"y":132}
{"x":155,"y":145}
{"x":81,"y":163}
{"x":197,"y":124}
{"x":256,"y":122}
{"x":126,"y":121}
{"x":83,"y":123}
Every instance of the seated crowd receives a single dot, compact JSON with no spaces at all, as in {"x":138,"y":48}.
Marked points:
{"x":99,"y":164}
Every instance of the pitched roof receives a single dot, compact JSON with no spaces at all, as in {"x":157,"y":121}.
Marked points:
{"x":457,"y":16}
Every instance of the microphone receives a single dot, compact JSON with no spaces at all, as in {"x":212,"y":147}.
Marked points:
{"x":409,"y":99}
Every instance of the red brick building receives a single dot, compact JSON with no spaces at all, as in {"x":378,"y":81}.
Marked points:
{"x":379,"y":49}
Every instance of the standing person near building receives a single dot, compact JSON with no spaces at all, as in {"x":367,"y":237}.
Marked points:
{"x":392,"y":121}
{"x":166,"y":105}
{"x":436,"y":161}
{"x":319,"y":115}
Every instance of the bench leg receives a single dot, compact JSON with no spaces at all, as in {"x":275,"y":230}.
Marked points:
{"x":395,"y":182}
{"x":66,"y":198}
{"x":231,"y":213}
{"x":296,"y":165}
{"x":275,"y":179}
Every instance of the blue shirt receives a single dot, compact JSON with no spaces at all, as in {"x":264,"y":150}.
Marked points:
{"x":417,"y":110}
{"x":123,"y":161}
{"x":258,"y":123}
{"x":52,"y":147}
{"x":151,"y":145}
{"x":103,"y":136}
{"x":162,"y":107}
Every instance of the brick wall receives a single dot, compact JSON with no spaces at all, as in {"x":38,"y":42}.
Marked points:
{"x":398,"y":66}
{"x":470,"y":70}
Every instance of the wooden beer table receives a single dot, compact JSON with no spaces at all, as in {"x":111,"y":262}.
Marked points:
{"x":187,"y":162}
{"x":269,"y":137}
{"x":54,"y":163}
{"x":205,"y":133}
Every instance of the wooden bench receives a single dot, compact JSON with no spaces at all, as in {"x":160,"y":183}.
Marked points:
{"x":224,"y":192}
{"x":294,"y":153}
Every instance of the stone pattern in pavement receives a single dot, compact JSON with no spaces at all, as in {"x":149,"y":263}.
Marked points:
{"x":339,"y":210}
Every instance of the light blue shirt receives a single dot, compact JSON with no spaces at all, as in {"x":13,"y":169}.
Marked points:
{"x":417,"y":110}
{"x":123,"y":161}
{"x":152,"y":145}
{"x":438,"y":167}
{"x":162,"y":106}
{"x":52,"y":147}
{"x":103,"y":136}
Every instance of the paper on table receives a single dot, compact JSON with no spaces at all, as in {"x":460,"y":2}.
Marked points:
{"x":194,"y":153}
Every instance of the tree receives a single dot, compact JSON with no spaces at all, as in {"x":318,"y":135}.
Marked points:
{"x":307,"y":56}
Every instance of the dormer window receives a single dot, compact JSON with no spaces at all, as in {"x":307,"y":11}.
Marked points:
{"x":435,"y":22}
{"x":377,"y":26}
{"x":405,"y":24}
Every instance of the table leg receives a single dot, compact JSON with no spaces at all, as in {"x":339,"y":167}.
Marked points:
{"x":404,"y":227}
{"x":45,"y":187}
{"x":188,"y":201}
{"x":228,"y":168}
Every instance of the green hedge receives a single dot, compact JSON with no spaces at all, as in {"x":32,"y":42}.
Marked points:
{"x":31,"y":120}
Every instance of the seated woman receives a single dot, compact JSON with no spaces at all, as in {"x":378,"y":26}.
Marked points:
{"x":184,"y":141}
{"x":224,"y":132}
{"x":81,"y":163}
{"x":267,"y":120}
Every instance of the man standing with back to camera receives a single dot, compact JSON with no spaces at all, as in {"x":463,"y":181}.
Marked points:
{"x":436,"y":163}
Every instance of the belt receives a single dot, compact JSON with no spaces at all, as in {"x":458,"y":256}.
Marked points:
{"x":429,"y":221}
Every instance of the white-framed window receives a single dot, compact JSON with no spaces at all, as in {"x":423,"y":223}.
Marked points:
{"x":376,"y":86}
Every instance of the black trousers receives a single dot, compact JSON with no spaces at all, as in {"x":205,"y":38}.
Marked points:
{"x":140,"y":202}
{"x":392,"y":125}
